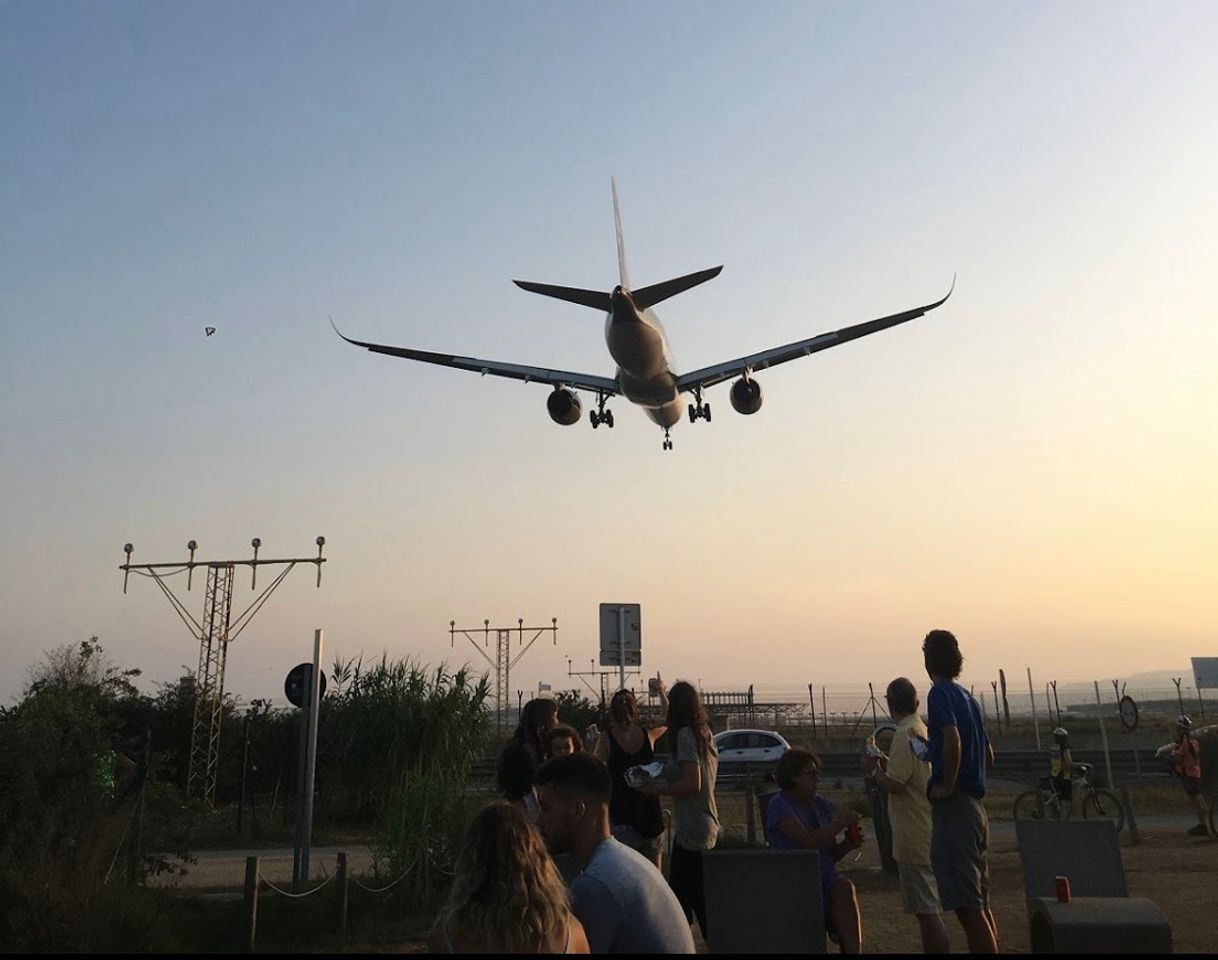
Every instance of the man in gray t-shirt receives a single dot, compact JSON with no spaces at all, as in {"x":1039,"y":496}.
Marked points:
{"x":619,"y":896}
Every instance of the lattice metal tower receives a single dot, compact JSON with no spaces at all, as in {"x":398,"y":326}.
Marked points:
{"x":214,"y":634}
{"x":503,"y":660}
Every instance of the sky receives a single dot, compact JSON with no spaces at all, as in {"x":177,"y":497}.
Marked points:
{"x":1033,"y":465}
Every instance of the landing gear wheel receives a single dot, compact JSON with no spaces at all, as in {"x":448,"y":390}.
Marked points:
{"x":607,"y":416}
{"x":594,"y":419}
{"x":706,"y":412}
{"x":693,"y":414}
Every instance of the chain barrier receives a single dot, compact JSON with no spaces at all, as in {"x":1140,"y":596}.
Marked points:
{"x":390,"y":885}
{"x":294,"y":896}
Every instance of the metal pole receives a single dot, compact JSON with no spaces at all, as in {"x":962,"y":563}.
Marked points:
{"x":871,"y":692}
{"x":824,"y":707}
{"x":245,"y":758}
{"x":621,"y":648}
{"x":812,"y":707}
{"x":1035,"y":719}
{"x":1056,"y":703}
{"x":311,"y":760}
{"x":1049,"y":707}
{"x":1104,"y":736}
{"x":301,"y":756}
{"x":1179,"y":695}
{"x":1006,"y":707}
{"x":1201,"y":703}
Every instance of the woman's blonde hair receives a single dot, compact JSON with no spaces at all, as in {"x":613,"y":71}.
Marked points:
{"x":507,"y":893}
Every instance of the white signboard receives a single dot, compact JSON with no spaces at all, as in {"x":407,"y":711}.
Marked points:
{"x":1205,"y":672}
{"x":621,"y":634}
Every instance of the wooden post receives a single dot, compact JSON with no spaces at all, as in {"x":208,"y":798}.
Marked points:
{"x":1035,"y":719}
{"x":1127,"y":799}
{"x":343,"y":886}
{"x":251,"y":902}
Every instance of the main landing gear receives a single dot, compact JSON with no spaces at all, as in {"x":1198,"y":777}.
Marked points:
{"x":667,"y":440}
{"x":600,"y":414}
{"x":700,"y":411}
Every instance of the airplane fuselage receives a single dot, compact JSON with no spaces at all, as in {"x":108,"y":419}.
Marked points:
{"x":638,"y":345}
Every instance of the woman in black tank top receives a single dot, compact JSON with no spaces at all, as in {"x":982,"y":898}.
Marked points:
{"x":637,"y":819}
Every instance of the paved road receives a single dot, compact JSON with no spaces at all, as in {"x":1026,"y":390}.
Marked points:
{"x":225,"y":869}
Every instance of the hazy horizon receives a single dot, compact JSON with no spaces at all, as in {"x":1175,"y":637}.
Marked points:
{"x":1032,"y":466}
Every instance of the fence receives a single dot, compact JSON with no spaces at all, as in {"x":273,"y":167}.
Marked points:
{"x":342,"y":877}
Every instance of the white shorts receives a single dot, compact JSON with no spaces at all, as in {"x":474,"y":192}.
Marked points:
{"x":919,"y":893}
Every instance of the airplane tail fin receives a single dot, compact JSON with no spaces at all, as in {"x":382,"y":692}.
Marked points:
{"x":658,"y":292}
{"x":595,"y":299}
{"x":623,"y":276}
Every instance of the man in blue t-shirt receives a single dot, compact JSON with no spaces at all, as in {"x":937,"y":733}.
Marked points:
{"x":960,"y":752}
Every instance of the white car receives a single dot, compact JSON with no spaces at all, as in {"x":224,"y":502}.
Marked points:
{"x":750,"y":746}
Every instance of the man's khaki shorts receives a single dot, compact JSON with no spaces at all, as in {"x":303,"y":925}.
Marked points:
{"x":919,"y":892}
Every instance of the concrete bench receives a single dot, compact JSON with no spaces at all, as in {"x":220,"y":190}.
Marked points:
{"x":764,"y":901}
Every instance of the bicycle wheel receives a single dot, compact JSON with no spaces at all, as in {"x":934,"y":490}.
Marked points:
{"x":1025,"y":808}
{"x":1102,"y":805}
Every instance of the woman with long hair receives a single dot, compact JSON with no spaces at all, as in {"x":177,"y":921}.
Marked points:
{"x":636,"y":818}
{"x":525,"y":752}
{"x":507,"y":895}
{"x":690,"y":781}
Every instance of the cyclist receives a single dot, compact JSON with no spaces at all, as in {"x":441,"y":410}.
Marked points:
{"x":1186,"y":764}
{"x":1061,"y":765}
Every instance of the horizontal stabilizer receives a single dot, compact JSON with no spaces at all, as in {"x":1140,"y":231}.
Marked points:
{"x":585,"y":298}
{"x":658,"y":292}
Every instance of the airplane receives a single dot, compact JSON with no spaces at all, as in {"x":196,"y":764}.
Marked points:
{"x":639,"y":346}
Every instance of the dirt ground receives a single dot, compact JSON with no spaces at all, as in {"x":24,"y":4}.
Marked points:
{"x":1177,"y":872}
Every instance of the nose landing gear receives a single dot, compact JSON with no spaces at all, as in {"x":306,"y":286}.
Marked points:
{"x":667,"y":440}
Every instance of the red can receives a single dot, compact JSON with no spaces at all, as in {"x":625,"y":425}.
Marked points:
{"x":855,"y":832}
{"x":1062,"y":885}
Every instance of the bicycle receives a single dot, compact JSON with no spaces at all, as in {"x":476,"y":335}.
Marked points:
{"x":1094,"y":803}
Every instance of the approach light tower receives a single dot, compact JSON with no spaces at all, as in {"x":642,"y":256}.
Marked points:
{"x":214,"y":634}
{"x":504,"y":661}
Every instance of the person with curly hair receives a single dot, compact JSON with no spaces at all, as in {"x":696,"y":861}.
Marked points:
{"x":507,"y":895}
{"x":799,"y":819}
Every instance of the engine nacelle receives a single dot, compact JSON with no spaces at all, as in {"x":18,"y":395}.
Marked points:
{"x":564,"y":407}
{"x":746,"y":396}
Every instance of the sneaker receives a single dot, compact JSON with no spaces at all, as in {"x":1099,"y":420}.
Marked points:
{"x":1199,"y":831}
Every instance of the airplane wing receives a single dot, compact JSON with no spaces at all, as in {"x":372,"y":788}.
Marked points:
{"x":515,"y":371}
{"x":709,"y":376}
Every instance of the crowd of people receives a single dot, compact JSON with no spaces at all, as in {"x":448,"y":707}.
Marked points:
{"x":589,"y":808}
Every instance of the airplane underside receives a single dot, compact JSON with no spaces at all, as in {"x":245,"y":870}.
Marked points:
{"x":637,"y":343}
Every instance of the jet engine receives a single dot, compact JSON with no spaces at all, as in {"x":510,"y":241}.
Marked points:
{"x":564,"y":406}
{"x":746,"y":396}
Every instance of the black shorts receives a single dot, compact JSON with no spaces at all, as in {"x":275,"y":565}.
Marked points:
{"x":1192,"y":785}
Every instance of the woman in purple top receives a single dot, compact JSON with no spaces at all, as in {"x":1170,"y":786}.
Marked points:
{"x":797,"y":819}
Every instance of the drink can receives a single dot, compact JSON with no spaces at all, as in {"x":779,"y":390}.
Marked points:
{"x":1062,"y":885}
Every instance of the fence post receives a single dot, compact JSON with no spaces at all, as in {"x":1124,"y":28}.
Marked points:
{"x":750,"y":798}
{"x":251,"y":902}
{"x":1103,"y":737}
{"x":1035,"y":719}
{"x":343,"y":886}
{"x":1127,"y":799}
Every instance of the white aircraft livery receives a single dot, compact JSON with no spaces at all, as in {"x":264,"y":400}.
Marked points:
{"x":638,"y":345}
